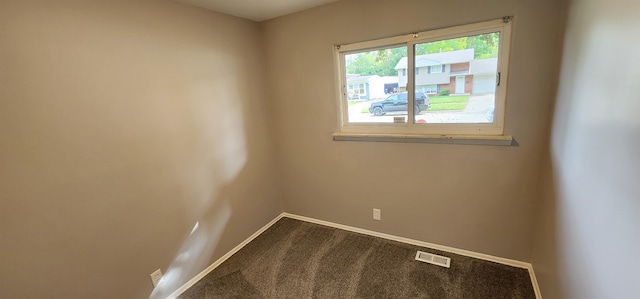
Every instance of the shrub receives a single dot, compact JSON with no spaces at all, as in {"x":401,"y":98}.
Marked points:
{"x":445,"y":92}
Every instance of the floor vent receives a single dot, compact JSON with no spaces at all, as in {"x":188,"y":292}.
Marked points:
{"x":433,"y":259}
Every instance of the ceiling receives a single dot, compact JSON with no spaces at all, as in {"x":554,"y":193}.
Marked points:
{"x":257,"y":10}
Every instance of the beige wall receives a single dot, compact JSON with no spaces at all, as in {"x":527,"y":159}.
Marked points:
{"x":479,"y":198}
{"x":122,"y":124}
{"x":587,"y":238}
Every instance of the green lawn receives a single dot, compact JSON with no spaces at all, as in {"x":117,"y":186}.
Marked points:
{"x":447,"y":106}
{"x":448,"y":103}
{"x":448,"y":99}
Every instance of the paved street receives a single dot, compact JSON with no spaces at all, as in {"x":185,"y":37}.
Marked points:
{"x":475,"y":112}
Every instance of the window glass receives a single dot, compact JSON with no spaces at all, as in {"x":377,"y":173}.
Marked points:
{"x":449,"y":81}
{"x":461,"y":84}
{"x":373,"y":85}
{"x":434,"y":69}
{"x":428,"y":89}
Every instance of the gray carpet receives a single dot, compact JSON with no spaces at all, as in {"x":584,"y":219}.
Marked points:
{"x":296,"y":259}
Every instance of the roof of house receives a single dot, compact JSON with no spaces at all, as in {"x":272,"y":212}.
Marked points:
{"x":484,"y":66}
{"x":439,"y":58}
{"x":353,"y":79}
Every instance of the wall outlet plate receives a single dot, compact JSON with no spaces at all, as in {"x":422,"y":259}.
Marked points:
{"x":376,"y":214}
{"x":155,"y":277}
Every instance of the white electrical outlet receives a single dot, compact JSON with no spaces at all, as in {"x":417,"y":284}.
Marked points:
{"x":155,"y":277}
{"x":376,"y":214}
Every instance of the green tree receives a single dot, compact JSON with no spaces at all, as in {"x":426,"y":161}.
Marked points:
{"x":361,"y":64}
{"x":485,"y":45}
{"x":379,"y":62}
{"x":383,"y":62}
{"x":447,"y":45}
{"x":388,"y":59}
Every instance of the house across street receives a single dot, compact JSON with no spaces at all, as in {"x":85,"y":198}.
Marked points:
{"x":456,"y":71}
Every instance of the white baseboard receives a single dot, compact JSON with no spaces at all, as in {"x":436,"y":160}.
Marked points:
{"x":223,"y":258}
{"x":482,"y":256}
{"x":534,"y":281}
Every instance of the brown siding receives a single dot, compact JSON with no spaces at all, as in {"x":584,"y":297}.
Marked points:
{"x":468,"y":84}
{"x":443,"y":86}
{"x":460,"y":67}
{"x":451,"y":86}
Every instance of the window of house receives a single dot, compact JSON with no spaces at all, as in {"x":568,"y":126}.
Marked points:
{"x":357,"y":89}
{"x":429,"y":89}
{"x":435,"y":69}
{"x":417,"y":71}
{"x":439,"y":102}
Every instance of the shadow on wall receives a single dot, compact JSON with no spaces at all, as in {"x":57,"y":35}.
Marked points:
{"x":587,"y":238}
{"x":547,"y":243}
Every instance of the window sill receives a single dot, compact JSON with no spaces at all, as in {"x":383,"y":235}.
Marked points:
{"x":504,"y":140}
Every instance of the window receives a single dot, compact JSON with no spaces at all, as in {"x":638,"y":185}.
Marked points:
{"x":357,"y":89}
{"x":430,"y":89}
{"x":436,"y":102}
{"x":435,"y":69}
{"x":374,"y":65}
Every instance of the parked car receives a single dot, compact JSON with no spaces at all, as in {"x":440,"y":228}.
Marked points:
{"x":398,"y":102}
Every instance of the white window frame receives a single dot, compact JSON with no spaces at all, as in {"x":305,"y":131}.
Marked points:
{"x":409,"y":128}
{"x":430,"y":89}
{"x":361,"y":89}
{"x":439,"y":70}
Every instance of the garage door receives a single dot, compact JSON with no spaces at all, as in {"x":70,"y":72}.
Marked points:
{"x":484,"y":84}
